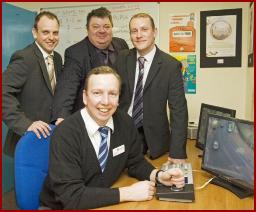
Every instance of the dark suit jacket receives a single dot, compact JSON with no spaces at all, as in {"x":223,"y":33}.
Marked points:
{"x":163,"y":85}
{"x":80,"y":58}
{"x":75,"y":180}
{"x":27,"y":93}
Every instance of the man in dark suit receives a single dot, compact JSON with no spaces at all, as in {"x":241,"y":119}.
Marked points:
{"x":91,"y":148}
{"x":162,"y":84}
{"x":98,"y":48}
{"x":29,"y":83}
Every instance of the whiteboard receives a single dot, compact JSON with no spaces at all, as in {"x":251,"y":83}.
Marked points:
{"x":73,"y":20}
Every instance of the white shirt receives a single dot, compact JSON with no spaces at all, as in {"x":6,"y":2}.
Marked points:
{"x":149,"y":58}
{"x":45,"y":54}
{"x":92,"y":130}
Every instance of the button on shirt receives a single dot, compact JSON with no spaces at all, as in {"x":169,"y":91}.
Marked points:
{"x":149,"y":58}
{"x":92,"y":129}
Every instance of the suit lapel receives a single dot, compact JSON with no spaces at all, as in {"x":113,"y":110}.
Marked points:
{"x":43,"y":67}
{"x":56,"y":65}
{"x":131,"y":69}
{"x":93,"y":55}
{"x":155,"y":66}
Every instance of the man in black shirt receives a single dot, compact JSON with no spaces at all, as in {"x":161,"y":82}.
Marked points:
{"x":97,"y":49}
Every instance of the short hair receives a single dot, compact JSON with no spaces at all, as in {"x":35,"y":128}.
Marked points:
{"x":143,"y":15}
{"x":102,"y":70}
{"x":48,"y":14}
{"x":100,"y":12}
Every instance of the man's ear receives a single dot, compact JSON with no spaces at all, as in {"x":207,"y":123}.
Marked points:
{"x":155,"y":32}
{"x":84,"y":97}
{"x":34,"y":32}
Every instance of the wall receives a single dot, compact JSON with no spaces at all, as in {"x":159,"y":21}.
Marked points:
{"x":227,"y":87}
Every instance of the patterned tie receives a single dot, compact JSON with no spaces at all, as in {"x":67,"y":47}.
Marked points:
{"x":51,"y":72}
{"x":137,"y":111}
{"x":103,"y":151}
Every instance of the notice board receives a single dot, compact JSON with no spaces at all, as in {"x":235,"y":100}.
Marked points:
{"x":73,"y":20}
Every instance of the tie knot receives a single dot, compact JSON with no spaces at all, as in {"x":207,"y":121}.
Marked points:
{"x":50,"y":59}
{"x":104,"y":51}
{"x":141,"y":62}
{"x":103,"y":131}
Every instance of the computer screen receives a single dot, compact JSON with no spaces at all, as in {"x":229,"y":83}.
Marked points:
{"x":205,"y":109}
{"x":229,"y":150}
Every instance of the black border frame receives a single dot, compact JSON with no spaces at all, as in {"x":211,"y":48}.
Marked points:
{"x":230,"y":111}
{"x":210,"y":62}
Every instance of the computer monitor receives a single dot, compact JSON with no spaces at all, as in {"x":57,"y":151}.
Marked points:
{"x":205,"y":109}
{"x":229,"y":153}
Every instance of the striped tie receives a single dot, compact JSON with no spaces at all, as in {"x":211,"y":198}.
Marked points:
{"x":51,"y":72}
{"x":103,"y":151}
{"x":137,"y":111}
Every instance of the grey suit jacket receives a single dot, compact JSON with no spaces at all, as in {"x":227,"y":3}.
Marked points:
{"x":80,"y":58}
{"x":164,"y":85}
{"x":27,"y":93}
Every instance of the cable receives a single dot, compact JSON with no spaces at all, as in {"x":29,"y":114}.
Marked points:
{"x":205,"y":184}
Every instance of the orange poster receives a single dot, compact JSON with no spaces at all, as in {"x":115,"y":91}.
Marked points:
{"x":182,"y":34}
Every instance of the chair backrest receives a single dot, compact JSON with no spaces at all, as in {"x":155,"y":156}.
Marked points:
{"x":30,"y":167}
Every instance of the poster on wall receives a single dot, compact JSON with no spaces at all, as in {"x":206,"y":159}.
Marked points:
{"x":251,"y":35}
{"x":221,"y":38}
{"x":188,"y":71}
{"x":182,"y":34}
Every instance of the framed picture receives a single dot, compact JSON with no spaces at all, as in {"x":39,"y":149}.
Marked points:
{"x":221,"y":38}
{"x":251,"y":35}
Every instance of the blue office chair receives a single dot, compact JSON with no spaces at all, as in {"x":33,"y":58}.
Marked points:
{"x":30,"y":169}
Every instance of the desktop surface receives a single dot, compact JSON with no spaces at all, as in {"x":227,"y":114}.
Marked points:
{"x":211,"y":197}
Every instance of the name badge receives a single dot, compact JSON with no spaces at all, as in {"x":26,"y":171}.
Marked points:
{"x":118,"y":150}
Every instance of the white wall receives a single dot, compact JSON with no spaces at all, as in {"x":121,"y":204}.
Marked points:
{"x":226,"y":87}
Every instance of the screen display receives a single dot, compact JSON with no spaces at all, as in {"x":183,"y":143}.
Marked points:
{"x":229,"y":150}
{"x":205,"y":110}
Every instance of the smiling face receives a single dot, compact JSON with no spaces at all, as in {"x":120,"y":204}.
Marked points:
{"x":100,"y":32}
{"x":47,"y":33}
{"x":101,"y":97}
{"x":142,"y":34}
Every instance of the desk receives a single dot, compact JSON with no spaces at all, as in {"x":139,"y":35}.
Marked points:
{"x":211,"y":197}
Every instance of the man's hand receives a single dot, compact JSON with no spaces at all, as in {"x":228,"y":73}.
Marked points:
{"x":59,"y":120}
{"x":174,"y":160}
{"x":40,"y":127}
{"x":140,"y":191}
{"x":172,"y":176}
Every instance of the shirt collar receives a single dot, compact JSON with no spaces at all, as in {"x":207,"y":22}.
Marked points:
{"x":45,"y":54}
{"x":91,"y":126}
{"x":109,"y":48}
{"x":149,"y":56}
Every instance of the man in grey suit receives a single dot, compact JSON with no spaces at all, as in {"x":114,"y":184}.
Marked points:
{"x":29,"y":83}
{"x":162,"y":84}
{"x":91,"y":148}
{"x":98,"y":48}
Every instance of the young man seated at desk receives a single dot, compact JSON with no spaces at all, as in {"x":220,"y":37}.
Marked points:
{"x":91,"y":149}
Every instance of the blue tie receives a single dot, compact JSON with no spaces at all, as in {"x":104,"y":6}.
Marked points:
{"x":137,"y":110}
{"x":103,"y":151}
